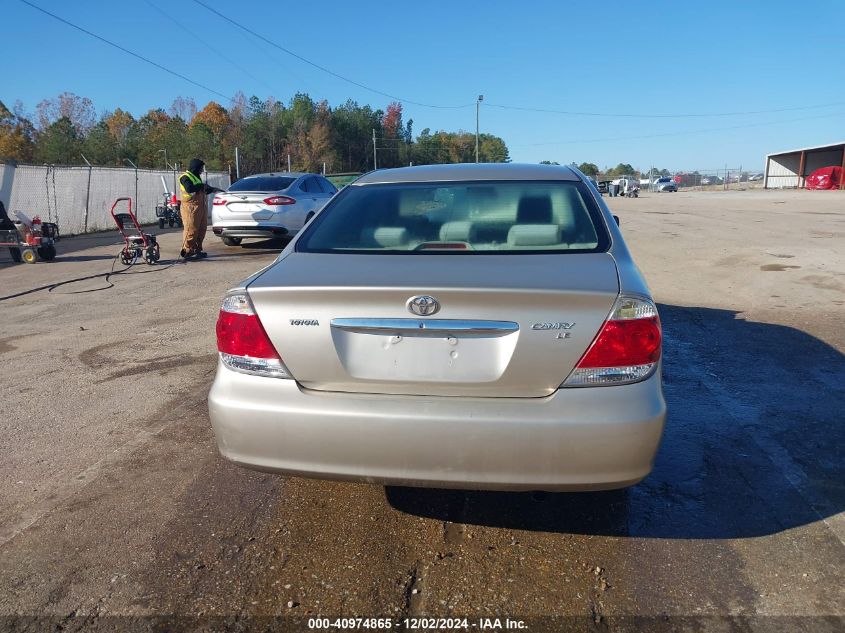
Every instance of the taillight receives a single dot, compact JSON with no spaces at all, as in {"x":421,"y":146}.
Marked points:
{"x":277,"y":200}
{"x":626,"y":350}
{"x":219,"y":201}
{"x":242,"y":342}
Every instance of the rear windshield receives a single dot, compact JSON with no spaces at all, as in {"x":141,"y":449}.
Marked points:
{"x":463,"y":217}
{"x":262,"y":183}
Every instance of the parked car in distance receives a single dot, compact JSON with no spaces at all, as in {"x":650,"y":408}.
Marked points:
{"x":478,"y":326}
{"x":629,"y":186}
{"x":342,"y":179}
{"x":268,"y":205}
{"x":711,"y":180}
{"x":665,"y":184}
{"x":755,"y":177}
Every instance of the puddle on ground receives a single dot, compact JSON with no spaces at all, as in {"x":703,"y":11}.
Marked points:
{"x":6,"y":346}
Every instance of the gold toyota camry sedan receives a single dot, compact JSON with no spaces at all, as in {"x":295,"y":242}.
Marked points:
{"x":467,"y":326}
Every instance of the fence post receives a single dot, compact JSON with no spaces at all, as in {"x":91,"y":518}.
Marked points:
{"x":87,"y":202}
{"x":87,"y":196}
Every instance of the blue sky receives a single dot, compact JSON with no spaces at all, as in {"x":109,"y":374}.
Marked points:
{"x":609,"y":58}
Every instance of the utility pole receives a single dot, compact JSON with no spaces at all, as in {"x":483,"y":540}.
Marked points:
{"x":375,"y":152}
{"x":477,"y":110}
{"x":237,"y":164}
{"x":288,"y":163}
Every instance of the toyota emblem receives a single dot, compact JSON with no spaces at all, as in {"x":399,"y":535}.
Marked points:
{"x":423,"y":305}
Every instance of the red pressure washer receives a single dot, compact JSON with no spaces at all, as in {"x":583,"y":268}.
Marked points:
{"x":135,"y":244}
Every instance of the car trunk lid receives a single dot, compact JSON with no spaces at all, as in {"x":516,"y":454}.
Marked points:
{"x":507,"y":325}
{"x":245,"y":204}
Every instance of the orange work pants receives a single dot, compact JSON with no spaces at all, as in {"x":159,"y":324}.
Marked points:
{"x":194,"y":222}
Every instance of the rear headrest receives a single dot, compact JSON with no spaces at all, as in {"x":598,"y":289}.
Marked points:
{"x":386,"y":236}
{"x":534,"y":210}
{"x":534,"y":235}
{"x":457,"y":232}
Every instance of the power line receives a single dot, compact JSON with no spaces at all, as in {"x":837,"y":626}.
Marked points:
{"x":660,"y":116}
{"x":126,"y":50}
{"x":671,"y":134}
{"x":323,"y":68}
{"x":202,"y":41}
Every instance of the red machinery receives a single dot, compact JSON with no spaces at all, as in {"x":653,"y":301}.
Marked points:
{"x":30,"y":239}
{"x":136,"y":243}
{"x":824,"y":178}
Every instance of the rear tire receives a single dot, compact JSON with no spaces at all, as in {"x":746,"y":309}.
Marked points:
{"x":127,"y":258}
{"x":47,"y":253}
{"x":232,"y":241}
{"x":161,"y":223}
{"x":170,"y":223}
{"x":15,"y":253}
{"x":151,"y":254}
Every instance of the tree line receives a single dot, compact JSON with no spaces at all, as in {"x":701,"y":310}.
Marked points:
{"x":608,"y":173}
{"x":64,"y":129}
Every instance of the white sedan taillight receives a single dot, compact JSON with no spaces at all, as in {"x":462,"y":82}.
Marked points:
{"x":626,"y":350}
{"x":242,"y":342}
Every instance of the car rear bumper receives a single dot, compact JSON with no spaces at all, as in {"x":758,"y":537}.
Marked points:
{"x":247,"y":230}
{"x":576,"y":439}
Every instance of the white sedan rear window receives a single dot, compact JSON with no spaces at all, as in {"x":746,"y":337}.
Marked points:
{"x":463,"y":217}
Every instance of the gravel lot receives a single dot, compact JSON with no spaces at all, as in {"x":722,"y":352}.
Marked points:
{"x":116,"y":511}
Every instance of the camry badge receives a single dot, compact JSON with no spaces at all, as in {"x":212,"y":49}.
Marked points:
{"x":559,"y":325}
{"x":423,"y":305}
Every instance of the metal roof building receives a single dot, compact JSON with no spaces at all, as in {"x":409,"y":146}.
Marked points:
{"x":789,"y":169}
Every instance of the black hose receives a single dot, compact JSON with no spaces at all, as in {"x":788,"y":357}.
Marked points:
{"x":107,"y":276}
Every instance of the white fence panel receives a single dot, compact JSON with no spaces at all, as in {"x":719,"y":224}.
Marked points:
{"x":78,"y":199}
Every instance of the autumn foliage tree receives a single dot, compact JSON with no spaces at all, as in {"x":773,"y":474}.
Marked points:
{"x":16,"y":136}
{"x":79,"y":111}
{"x":265,"y":131}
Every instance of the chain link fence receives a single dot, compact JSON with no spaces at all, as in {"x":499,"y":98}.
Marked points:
{"x":78,"y":199}
{"x":707,"y":179}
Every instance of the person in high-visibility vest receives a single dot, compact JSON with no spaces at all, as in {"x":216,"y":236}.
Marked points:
{"x":194,"y":209}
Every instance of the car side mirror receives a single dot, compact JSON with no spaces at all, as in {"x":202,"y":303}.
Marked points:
{"x":616,"y":217}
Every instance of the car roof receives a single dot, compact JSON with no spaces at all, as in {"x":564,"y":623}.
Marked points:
{"x":468,"y":171}
{"x":287,"y":174}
